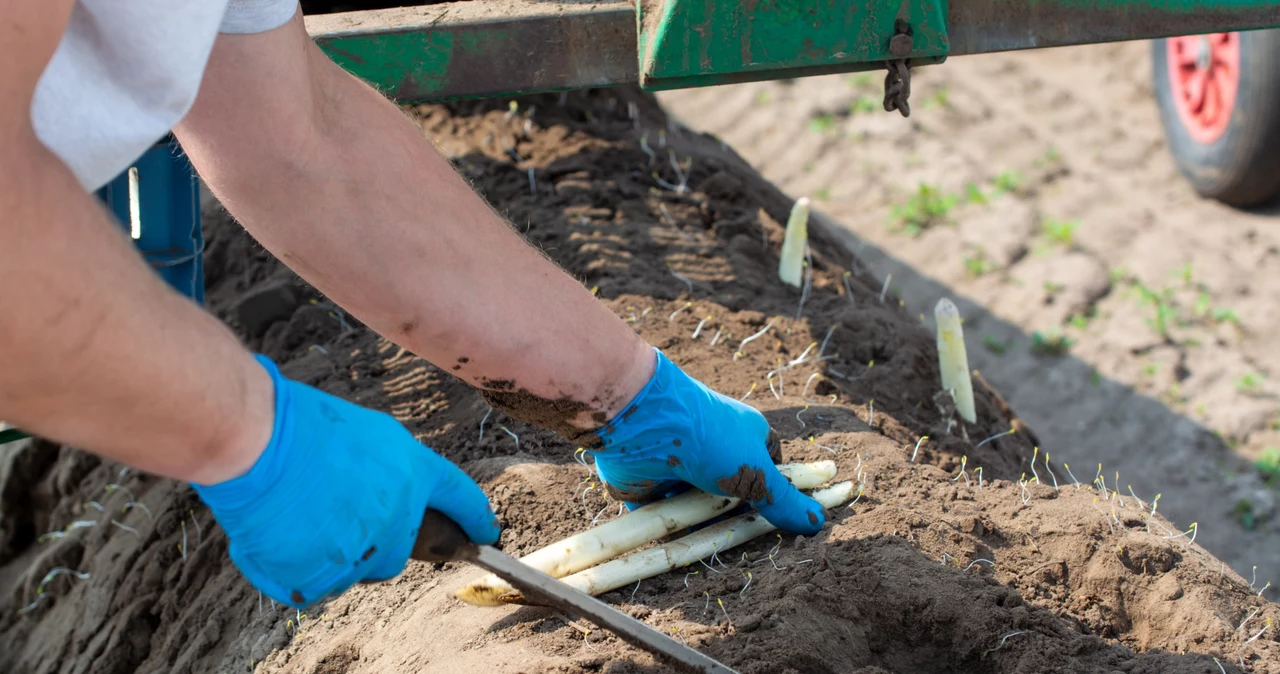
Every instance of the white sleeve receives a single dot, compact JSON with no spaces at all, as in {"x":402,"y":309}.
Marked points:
{"x":257,"y":16}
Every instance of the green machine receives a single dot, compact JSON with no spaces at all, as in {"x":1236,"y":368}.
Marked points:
{"x":508,"y":47}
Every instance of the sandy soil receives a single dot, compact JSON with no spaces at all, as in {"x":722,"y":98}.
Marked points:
{"x":1074,"y":580}
{"x":1054,"y":139}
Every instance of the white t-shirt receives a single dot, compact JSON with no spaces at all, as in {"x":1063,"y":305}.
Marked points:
{"x":126,"y":71}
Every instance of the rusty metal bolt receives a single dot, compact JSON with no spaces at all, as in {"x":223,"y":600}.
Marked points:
{"x":900,"y":45}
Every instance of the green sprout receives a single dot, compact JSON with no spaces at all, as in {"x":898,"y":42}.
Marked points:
{"x":822,"y":193}
{"x":822,"y":123}
{"x":928,"y":206}
{"x":1268,"y":465}
{"x":1060,"y":232}
{"x":1050,"y":343}
{"x":973,"y":195}
{"x":863,"y":104}
{"x":1249,"y":382}
{"x":1008,"y":181}
{"x":994,"y":345}
{"x":977,"y":264}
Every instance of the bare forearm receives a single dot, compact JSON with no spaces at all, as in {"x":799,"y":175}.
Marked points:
{"x":360,"y":205}
{"x":98,"y":353}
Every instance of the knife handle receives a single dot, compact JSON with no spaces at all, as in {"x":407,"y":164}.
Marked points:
{"x":440,"y":539}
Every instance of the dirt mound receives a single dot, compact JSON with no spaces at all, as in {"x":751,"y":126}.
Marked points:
{"x":895,"y":584}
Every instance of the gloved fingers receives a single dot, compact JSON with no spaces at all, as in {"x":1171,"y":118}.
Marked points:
{"x":657,"y":492}
{"x":461,"y":499}
{"x":387,"y":564}
{"x":785,"y":506}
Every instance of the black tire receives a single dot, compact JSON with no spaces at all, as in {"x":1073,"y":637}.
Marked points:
{"x":1242,"y":167}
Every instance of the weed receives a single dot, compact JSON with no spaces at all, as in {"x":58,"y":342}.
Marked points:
{"x":822,"y":194}
{"x":1008,"y":181}
{"x":1250,"y":382}
{"x":1050,"y":343}
{"x":1051,"y":156}
{"x":994,"y":345}
{"x":1051,"y":288}
{"x":973,"y":194}
{"x":1268,"y":465}
{"x":939,"y":98}
{"x":1166,"y":314}
{"x":763,"y":97}
{"x":1095,"y":378}
{"x":823,"y":123}
{"x":1223,"y":315}
{"x":977,"y":264}
{"x":1059,"y":232}
{"x":1080,"y":321}
{"x":863,"y":104}
{"x":1243,"y":511}
{"x":928,"y":206}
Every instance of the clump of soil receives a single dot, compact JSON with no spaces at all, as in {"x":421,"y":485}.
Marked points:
{"x":931,"y":570}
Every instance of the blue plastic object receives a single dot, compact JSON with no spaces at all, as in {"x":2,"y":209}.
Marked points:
{"x":337,"y":497}
{"x":677,"y":431}
{"x":158,"y":201}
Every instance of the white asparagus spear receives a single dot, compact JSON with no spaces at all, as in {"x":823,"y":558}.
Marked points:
{"x":636,"y":528}
{"x":953,"y":360}
{"x":684,"y":551}
{"x":791,"y":261}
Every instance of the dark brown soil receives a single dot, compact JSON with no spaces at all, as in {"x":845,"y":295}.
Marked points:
{"x":892,"y":585}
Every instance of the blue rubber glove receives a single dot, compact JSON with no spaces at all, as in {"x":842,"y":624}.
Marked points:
{"x":678,"y":431}
{"x":336,"y":498}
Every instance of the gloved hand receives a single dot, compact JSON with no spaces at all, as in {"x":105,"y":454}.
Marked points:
{"x":336,"y":498}
{"x":677,"y":430}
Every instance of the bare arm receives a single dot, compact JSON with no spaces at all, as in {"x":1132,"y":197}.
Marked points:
{"x":95,"y":350}
{"x":334,"y":180}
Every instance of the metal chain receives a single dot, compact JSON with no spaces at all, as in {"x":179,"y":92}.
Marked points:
{"x":897,"y":87}
{"x":897,"y":83}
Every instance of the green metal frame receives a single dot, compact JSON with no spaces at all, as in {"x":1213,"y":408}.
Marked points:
{"x":492,"y":48}
{"x":706,"y":42}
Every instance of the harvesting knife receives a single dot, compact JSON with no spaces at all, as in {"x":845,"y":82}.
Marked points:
{"x":441,"y":540}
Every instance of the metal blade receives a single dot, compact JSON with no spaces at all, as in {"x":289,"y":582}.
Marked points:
{"x":548,"y":591}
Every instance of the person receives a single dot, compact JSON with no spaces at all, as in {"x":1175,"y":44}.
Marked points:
{"x":314,"y":492}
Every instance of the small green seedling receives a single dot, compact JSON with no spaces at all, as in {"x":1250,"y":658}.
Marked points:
{"x":1050,"y":343}
{"x":927,"y":207}
{"x":973,"y":194}
{"x":1008,"y":181}
{"x":1035,"y":454}
{"x":1250,"y":382}
{"x":1268,"y":465}
{"x":822,"y":123}
{"x":994,"y":345}
{"x":1060,"y":232}
{"x":977,"y":264}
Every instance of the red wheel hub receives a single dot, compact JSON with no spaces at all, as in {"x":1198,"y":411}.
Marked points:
{"x":1204,"y":74}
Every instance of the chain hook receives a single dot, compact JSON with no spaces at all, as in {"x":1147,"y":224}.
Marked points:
{"x":897,"y":82}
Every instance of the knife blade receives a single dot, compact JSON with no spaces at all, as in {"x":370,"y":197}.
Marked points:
{"x":441,"y":540}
